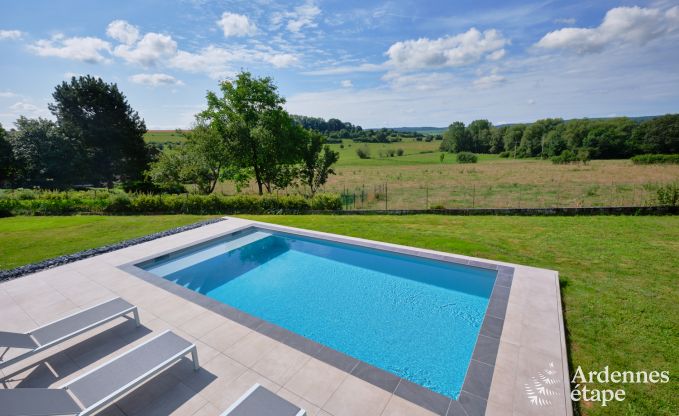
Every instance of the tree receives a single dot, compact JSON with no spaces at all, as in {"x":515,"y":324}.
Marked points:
{"x":110,"y":133}
{"x":456,"y":138}
{"x":496,"y":141}
{"x":257,"y":131}
{"x":479,"y":130}
{"x":532,"y":141}
{"x":201,"y":161}
{"x":512,"y":137}
{"x":317,"y":160}
{"x":44,"y":155}
{"x":659,"y":135}
{"x":6,"y":158}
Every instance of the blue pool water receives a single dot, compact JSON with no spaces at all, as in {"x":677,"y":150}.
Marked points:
{"x":414,"y":317}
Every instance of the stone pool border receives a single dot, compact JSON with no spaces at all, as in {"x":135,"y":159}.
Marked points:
{"x":477,"y":383}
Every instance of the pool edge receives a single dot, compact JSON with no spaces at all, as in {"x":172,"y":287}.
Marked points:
{"x":476,"y":387}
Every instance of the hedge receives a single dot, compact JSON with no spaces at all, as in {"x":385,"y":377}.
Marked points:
{"x":651,"y":159}
{"x":29,"y":202}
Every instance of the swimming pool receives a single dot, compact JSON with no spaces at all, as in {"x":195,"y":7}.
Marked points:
{"x":418,"y":318}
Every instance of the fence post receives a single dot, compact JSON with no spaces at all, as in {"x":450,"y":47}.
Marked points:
{"x":473,"y":195}
{"x":426,"y":190}
{"x":386,"y":196}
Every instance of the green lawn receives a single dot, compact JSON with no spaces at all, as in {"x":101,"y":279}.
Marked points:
{"x":25,"y":240}
{"x":619,"y":278}
{"x":619,"y":275}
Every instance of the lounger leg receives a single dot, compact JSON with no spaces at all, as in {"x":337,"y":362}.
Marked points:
{"x":194,"y":357}
{"x":137,"y":321}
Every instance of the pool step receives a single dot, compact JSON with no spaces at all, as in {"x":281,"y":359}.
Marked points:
{"x":191,"y":259}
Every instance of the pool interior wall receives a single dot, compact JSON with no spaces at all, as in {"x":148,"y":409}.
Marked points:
{"x":414,"y":317}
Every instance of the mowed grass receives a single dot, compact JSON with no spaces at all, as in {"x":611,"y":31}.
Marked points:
{"x":163,"y":136}
{"x":619,"y":283}
{"x":26,"y":240}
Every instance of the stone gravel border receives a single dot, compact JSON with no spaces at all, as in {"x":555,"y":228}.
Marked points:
{"x":69,"y":258}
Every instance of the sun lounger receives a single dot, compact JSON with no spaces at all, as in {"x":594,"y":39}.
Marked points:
{"x":63,"y":329}
{"x":103,"y":385}
{"x":260,"y":401}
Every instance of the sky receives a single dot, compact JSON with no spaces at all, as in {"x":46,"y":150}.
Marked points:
{"x":375,"y":64}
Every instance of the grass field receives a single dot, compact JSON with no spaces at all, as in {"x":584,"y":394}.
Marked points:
{"x":619,"y":279}
{"x":419,"y":180}
{"x":163,"y":136}
{"x":25,"y":240}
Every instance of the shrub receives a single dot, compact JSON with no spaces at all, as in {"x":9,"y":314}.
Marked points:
{"x":118,"y":202}
{"x":399,"y":152}
{"x":363,"y":152}
{"x":504,"y":154}
{"x":437,"y":206}
{"x":567,"y":156}
{"x":668,"y":194}
{"x":467,"y":157}
{"x":651,"y":159}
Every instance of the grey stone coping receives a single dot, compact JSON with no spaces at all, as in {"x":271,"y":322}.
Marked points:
{"x":476,"y":387}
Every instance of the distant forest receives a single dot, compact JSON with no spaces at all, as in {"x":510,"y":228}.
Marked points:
{"x":612,"y":138}
{"x":335,"y":130}
{"x":599,"y":138}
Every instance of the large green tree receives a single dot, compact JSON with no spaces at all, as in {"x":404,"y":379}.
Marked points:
{"x":317,"y":161}
{"x":456,"y":138}
{"x":479,"y":130}
{"x":111,"y":134}
{"x":44,"y":155}
{"x":257,"y":131}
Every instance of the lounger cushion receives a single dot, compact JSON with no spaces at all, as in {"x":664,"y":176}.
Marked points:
{"x":264,"y":402}
{"x":127,"y":368}
{"x":80,"y":321}
{"x":37,"y":402}
{"x":16,"y":340}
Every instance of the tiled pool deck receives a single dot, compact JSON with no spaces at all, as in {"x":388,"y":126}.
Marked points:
{"x":524,"y":372}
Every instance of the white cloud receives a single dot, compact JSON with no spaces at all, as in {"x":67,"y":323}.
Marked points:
{"x":419,"y":81}
{"x":211,"y":60}
{"x":340,"y":70}
{"x":122,"y":31}
{"x":346,"y":83}
{"x":450,"y":51}
{"x":236,"y":25}
{"x":281,"y":60}
{"x":7,"y":94}
{"x":149,"y":51}
{"x":155,"y":79}
{"x":23,"y":107}
{"x":85,"y":49}
{"x":302,"y":16}
{"x":10,"y":34}
{"x":621,"y":25}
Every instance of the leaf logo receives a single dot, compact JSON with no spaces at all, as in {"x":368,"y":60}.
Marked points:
{"x":538,"y":390}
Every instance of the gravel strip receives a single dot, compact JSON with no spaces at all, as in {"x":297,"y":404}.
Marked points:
{"x":69,"y":258}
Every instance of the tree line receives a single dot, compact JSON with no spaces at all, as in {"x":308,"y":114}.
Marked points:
{"x":97,"y":140}
{"x":613,"y":138}
{"x":335,"y":130}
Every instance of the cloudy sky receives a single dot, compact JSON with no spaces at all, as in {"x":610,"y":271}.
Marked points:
{"x":394,"y":63}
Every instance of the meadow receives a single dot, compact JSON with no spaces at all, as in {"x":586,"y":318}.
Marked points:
{"x":421,"y":179}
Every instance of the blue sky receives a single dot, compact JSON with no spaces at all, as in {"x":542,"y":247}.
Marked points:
{"x":395,"y":63}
